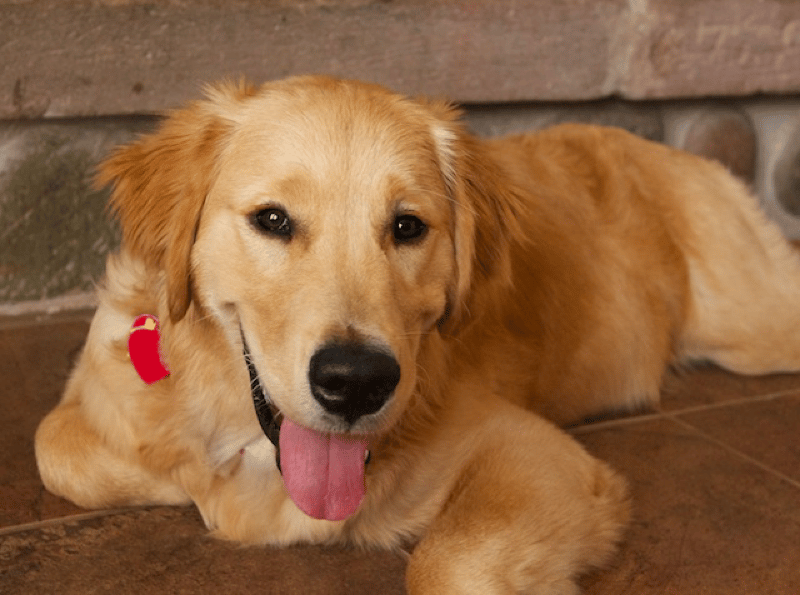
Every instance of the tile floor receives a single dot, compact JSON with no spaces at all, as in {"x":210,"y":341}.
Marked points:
{"x":715,"y":476}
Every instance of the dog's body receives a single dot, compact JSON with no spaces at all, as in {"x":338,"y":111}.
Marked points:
{"x":472,"y":281}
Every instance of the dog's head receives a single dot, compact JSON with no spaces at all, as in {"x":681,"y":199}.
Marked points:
{"x":334,"y":225}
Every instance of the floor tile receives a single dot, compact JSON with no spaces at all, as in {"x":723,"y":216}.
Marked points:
{"x":706,"y":384}
{"x":167,"y":550}
{"x":34,"y":364}
{"x":771,"y":384}
{"x":765,"y":430}
{"x":707,"y":522}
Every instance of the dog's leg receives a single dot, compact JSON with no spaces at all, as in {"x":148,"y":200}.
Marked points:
{"x":529,"y":513}
{"x":75,"y":463}
{"x":745,"y":286}
{"x":86,"y":448}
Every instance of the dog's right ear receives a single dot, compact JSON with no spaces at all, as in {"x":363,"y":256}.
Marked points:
{"x":160,"y":184}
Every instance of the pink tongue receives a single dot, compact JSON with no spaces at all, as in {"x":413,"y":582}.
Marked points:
{"x":323,"y":473}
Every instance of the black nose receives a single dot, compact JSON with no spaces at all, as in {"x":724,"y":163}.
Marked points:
{"x":351,"y":379}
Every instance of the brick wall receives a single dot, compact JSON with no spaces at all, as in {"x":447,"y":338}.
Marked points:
{"x":717,"y":77}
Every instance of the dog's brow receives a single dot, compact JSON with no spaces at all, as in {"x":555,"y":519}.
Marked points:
{"x":291,"y":184}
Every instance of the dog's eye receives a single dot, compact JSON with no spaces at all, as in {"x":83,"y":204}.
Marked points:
{"x":273,"y":221}
{"x":408,"y":228}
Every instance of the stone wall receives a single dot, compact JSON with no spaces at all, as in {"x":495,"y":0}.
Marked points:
{"x":718,"y":77}
{"x":91,"y":57}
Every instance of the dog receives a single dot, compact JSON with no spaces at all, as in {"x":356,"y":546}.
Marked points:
{"x":374,"y":323}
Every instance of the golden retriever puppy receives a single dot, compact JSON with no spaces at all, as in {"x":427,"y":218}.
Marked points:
{"x":365,"y":310}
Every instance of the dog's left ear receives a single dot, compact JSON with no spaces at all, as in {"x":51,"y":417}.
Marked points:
{"x":160,"y":184}
{"x":485,"y":217}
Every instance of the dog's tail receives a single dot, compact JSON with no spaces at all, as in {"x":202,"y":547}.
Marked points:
{"x":744,"y":278}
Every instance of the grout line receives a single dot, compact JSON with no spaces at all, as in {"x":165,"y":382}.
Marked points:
{"x":76,"y":518}
{"x":735,"y":451}
{"x":614,"y":423}
{"x":44,"y":319}
{"x":633,"y":419}
{"x":49,"y":306}
{"x":735,"y":402}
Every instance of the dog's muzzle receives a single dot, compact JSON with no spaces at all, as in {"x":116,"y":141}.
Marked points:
{"x":269,"y":417}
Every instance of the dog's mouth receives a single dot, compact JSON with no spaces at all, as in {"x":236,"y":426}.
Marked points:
{"x":269,"y":416}
{"x":322,"y":472}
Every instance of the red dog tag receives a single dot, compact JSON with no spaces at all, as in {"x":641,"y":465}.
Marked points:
{"x":144,"y":349}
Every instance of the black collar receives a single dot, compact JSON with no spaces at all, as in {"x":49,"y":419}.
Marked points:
{"x":269,"y":424}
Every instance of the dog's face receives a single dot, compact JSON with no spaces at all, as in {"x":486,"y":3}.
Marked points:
{"x":331,"y":225}
{"x":327,"y":238}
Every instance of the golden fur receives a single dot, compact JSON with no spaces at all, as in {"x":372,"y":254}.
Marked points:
{"x":561,"y":273}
